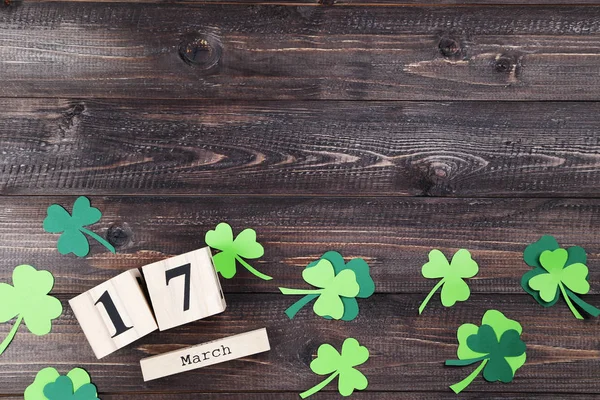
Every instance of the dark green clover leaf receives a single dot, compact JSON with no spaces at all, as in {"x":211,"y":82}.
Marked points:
{"x":329,"y":361}
{"x":234,"y":250}
{"x":557,"y":271}
{"x":73,"y":239}
{"x":62,"y":389}
{"x":78,"y":383}
{"x":497,"y":344}
{"x":333,"y":261}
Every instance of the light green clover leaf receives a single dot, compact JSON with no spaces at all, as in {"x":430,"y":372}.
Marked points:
{"x":329,"y":361}
{"x":234,"y":250}
{"x":332,"y":288}
{"x":557,"y":271}
{"x":452,"y":275}
{"x":72,"y":239}
{"x":28,"y":300}
{"x":363,"y":278}
{"x":497,"y":344}
{"x":78,"y":376}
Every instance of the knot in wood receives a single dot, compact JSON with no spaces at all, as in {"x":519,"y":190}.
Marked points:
{"x":503,"y":64}
{"x":203,"y":51}
{"x":449,"y":47}
{"x":119,"y":235}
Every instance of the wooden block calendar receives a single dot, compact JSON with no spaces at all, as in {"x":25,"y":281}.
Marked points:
{"x":181,"y":289}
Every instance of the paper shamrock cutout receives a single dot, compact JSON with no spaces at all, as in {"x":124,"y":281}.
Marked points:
{"x":50,"y":385}
{"x":497,"y":344}
{"x":557,"y":271}
{"x":28,"y":300}
{"x":232,"y":250}
{"x":73,"y":239}
{"x":329,"y":361}
{"x":454,"y":288}
{"x":339,"y":285}
{"x":63,"y":389}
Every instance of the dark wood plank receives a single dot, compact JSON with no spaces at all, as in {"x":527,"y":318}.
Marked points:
{"x":116,"y":50}
{"x":393,"y":234}
{"x":407,"y":351}
{"x":328,"y":148}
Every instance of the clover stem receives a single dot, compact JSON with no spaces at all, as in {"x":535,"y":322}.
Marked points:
{"x":300,"y":291}
{"x":588,"y":308}
{"x":318,"y":387}
{"x":99,"y":238}
{"x":435,"y":288}
{"x":297,"y":306}
{"x":253,"y":270}
{"x":460,"y":386}
{"x":568,"y":301}
{"x":11,"y":334}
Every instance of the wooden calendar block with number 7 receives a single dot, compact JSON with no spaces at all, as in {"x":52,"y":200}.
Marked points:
{"x":184,"y":288}
{"x":114,"y":313}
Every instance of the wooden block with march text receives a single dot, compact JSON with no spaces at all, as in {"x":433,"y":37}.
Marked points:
{"x":114,"y":313}
{"x":184,"y":288}
{"x":202,"y":355}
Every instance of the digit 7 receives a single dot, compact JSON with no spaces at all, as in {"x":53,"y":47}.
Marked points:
{"x":185,"y":270}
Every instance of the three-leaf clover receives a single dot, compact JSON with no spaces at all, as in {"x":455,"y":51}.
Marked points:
{"x":50,"y":385}
{"x":73,"y":239}
{"x":340,"y":284}
{"x":329,"y":361}
{"x":454,"y":288}
{"x":28,"y":300}
{"x":497,"y":344}
{"x":232,"y":250}
{"x":557,"y":271}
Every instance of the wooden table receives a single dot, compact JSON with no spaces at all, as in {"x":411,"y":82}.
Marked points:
{"x":377,"y":129}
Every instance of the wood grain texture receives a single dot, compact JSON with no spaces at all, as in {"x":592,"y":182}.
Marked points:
{"x":327,"y":148}
{"x":394,"y":235}
{"x":407,"y":351}
{"x":124,"y":50}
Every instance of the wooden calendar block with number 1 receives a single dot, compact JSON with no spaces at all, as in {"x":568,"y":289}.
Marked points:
{"x":184,"y":288}
{"x":114,"y":313}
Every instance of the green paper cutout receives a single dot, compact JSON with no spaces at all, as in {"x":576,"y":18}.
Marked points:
{"x":28,"y":300}
{"x":63,"y":389}
{"x":329,"y":361}
{"x":497,"y":344}
{"x":454,"y":288}
{"x":71,"y":226}
{"x":234,"y":250}
{"x":350,"y":306}
{"x":78,"y":376}
{"x":557,"y":272}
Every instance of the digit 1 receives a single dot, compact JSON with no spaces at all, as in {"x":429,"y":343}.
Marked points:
{"x":113,"y":314}
{"x":183,"y":270}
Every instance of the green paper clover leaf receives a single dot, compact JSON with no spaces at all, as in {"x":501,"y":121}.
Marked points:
{"x":557,"y":271}
{"x":497,"y":344}
{"x":28,"y":300}
{"x":329,"y":361}
{"x":234,"y":250}
{"x":63,"y":389}
{"x":78,"y":376}
{"x":454,"y":288}
{"x":332,"y":288}
{"x":73,"y":239}
{"x":358,"y":266}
